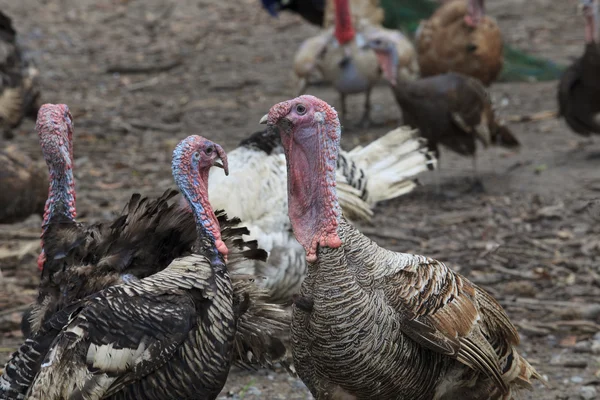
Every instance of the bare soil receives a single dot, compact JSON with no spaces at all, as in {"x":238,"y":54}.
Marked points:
{"x":141,"y":75}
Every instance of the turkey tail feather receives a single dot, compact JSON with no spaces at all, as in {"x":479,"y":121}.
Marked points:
{"x":386,"y":168}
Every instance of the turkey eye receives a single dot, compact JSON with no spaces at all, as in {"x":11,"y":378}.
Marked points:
{"x":300,"y":109}
{"x":208,"y":150}
{"x":196,"y":156}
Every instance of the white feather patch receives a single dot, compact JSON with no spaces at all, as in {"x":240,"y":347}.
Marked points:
{"x":107,"y":358}
{"x":51,"y":357}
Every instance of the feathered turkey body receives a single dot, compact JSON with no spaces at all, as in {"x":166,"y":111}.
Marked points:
{"x":183,"y":315}
{"x":172,"y":334}
{"x":19,"y":91}
{"x":375,"y":324}
{"x":365,"y":175}
{"x":451,"y":109}
{"x":433,"y":334}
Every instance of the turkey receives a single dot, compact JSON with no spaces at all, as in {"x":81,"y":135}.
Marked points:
{"x":24,"y":186}
{"x":372,"y":323}
{"x":365,"y":176}
{"x":340,"y":54}
{"x":459,"y":37}
{"x":143,"y":240}
{"x":80,"y":260}
{"x":451,"y":109}
{"x":169,"y":335}
{"x":19,"y":91}
{"x":579,"y":88}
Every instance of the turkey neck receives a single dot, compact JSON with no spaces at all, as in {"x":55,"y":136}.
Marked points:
{"x":389,"y":61}
{"x":311,"y":156}
{"x":61,"y":192}
{"x":194,"y":187}
{"x":344,"y":30}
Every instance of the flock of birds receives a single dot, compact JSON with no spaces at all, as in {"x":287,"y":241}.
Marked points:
{"x":161,"y":301}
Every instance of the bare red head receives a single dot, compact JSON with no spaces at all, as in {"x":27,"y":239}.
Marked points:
{"x":54,"y":126}
{"x":344,"y":30}
{"x":192,"y":159}
{"x":590,"y":14}
{"x":310,"y":134}
{"x":475,"y":12}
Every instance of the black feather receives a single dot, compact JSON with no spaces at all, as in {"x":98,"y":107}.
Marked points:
{"x":267,"y":141}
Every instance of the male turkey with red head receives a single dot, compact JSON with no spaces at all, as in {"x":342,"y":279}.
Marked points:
{"x":372,"y":323}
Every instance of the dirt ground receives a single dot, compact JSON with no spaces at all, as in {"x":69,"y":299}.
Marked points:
{"x":141,"y":75}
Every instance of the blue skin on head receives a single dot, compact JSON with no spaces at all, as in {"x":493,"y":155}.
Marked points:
{"x":185,"y":167}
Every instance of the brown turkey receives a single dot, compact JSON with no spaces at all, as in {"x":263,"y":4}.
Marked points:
{"x":579,"y":88}
{"x":459,"y":37}
{"x":375,"y":324}
{"x":24,"y":186}
{"x":450,"y":109}
{"x":171,"y":335}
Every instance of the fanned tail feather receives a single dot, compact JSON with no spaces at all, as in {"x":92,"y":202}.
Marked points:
{"x":391,"y":162}
{"x":262,"y":331}
{"x":353,"y":206}
{"x":262,"y":325}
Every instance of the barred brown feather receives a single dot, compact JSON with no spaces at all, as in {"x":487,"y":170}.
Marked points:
{"x":391,"y":325}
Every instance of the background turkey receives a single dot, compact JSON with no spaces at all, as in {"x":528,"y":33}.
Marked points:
{"x":459,"y":37}
{"x":373,"y":323}
{"x":406,"y":15}
{"x":450,"y":109}
{"x":145,"y":239}
{"x":340,"y":55}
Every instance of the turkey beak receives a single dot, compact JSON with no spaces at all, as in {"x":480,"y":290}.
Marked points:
{"x":223,"y":157}
{"x":264,"y":119}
